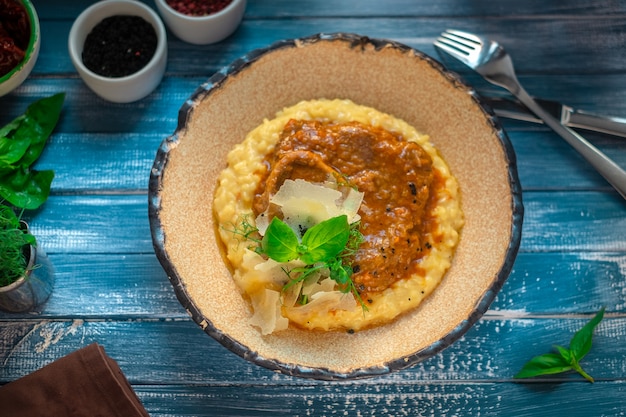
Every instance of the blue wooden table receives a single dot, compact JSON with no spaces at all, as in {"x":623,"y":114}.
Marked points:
{"x":111,"y":289}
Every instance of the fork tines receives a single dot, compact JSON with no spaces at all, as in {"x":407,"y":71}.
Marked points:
{"x":456,"y":41}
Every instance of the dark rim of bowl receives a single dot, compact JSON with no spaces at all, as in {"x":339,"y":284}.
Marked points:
{"x":158,"y":235}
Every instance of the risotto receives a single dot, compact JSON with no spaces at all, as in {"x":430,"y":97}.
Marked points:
{"x":324,"y":173}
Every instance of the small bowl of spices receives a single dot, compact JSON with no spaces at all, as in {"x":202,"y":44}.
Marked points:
{"x":119,"y":48}
{"x":202,"y":22}
{"x":19,"y":43}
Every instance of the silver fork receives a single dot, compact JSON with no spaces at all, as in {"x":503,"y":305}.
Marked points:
{"x":491,"y":61}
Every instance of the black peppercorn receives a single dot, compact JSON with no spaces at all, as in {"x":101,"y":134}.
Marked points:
{"x":119,"y":45}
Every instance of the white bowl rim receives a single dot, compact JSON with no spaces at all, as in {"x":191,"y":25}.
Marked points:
{"x":77,"y":56}
{"x":205,"y":18}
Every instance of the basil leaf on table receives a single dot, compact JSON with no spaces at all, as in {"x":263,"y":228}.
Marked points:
{"x":549,"y":363}
{"x":580,"y":344}
{"x":41,"y":118}
{"x":565,"y":359}
{"x":25,"y":188}
{"x":21,"y":143}
{"x":11,"y":150}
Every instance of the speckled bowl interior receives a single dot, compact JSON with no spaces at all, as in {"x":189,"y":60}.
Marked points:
{"x":392,"y":78}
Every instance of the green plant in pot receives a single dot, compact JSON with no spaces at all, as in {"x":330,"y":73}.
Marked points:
{"x":14,"y":238}
{"x":26,"y":275}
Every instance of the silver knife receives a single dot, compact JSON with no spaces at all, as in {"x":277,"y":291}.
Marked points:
{"x":512,"y":109}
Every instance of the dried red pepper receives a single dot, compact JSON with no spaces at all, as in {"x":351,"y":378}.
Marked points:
{"x":14,"y":34}
{"x":198,"y":7}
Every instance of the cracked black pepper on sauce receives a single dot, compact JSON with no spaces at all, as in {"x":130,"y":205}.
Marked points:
{"x":395,"y":175}
{"x":119,"y":46}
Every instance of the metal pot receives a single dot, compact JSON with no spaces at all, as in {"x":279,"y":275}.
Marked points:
{"x":31,"y":290}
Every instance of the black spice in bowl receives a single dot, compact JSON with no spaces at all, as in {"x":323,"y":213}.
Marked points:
{"x":119,"y":49}
{"x":119,"y":46}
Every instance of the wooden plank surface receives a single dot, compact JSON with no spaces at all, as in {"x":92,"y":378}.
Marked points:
{"x":170,"y":351}
{"x":111,"y":289}
{"x":565,"y":54}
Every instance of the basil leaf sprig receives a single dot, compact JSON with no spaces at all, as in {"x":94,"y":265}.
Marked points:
{"x":323,"y":246}
{"x":21,"y":143}
{"x":564,"y":359}
{"x":321,"y":242}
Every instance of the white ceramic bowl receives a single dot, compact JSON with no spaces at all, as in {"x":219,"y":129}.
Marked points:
{"x":392,"y":78}
{"x":120,"y":89}
{"x":203,"y":30}
{"x":16,"y":77}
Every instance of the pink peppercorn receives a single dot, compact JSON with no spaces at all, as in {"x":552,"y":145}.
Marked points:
{"x":198,"y":7}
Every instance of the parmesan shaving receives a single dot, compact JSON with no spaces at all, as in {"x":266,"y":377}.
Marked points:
{"x":267,"y":312}
{"x":324,"y":302}
{"x":305,"y":204}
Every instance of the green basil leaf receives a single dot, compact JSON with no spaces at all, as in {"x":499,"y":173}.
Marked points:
{"x":40,"y":120}
{"x":565,"y":353}
{"x":280,"y":243}
{"x":12,"y":150}
{"x":580,"y":344}
{"x":21,"y":144}
{"x":11,"y":126}
{"x":325,"y":240}
{"x":582,"y":372}
{"x":549,"y":363}
{"x":26,"y":188}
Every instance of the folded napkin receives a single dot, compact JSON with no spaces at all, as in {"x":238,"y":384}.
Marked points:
{"x":85,"y":383}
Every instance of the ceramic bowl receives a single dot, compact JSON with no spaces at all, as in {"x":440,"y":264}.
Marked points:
{"x":17,"y":75}
{"x":392,"y":78}
{"x":203,"y":30}
{"x":120,"y":89}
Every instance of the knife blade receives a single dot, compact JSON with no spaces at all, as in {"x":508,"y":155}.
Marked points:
{"x":568,"y":116}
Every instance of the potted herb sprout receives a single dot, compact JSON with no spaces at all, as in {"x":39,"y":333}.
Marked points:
{"x":27,"y":278}
{"x":26,"y":275}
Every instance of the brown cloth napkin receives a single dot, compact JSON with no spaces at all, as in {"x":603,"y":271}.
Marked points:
{"x":85,"y":383}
